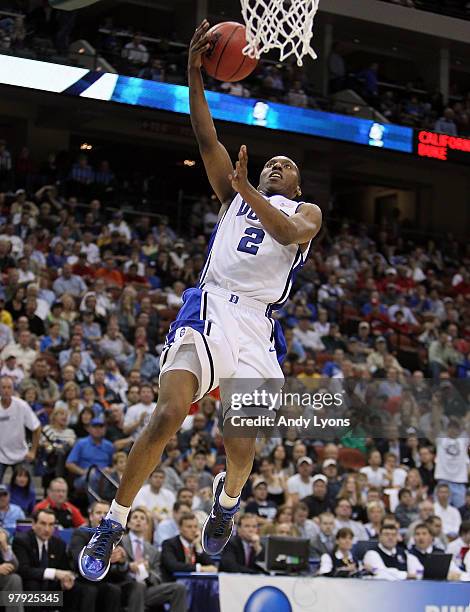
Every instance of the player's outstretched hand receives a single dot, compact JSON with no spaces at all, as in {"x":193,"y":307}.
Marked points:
{"x":239,"y":177}
{"x":199,"y":44}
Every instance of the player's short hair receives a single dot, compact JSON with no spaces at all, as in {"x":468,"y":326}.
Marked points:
{"x":187,"y":516}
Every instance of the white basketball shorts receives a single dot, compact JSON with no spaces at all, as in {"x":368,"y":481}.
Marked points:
{"x":219,"y":335}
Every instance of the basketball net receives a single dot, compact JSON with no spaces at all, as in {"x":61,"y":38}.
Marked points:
{"x":286,"y":25}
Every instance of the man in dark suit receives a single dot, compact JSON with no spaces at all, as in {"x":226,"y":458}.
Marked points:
{"x":106,"y":594}
{"x":43,"y":563}
{"x":243,"y":550}
{"x":184,"y":553}
{"x":149,"y":589}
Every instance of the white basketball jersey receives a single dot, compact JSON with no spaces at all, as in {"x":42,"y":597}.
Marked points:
{"x":243,"y":258}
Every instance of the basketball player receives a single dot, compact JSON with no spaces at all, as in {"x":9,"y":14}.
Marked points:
{"x":224,"y":329}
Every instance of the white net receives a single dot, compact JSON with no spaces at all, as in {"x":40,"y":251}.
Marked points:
{"x":286,"y":25}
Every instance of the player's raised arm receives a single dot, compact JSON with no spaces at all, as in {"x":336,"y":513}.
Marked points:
{"x":214,"y":154}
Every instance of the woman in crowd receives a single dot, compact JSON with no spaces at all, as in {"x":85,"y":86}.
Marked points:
{"x":284,"y":516}
{"x":16,"y":305}
{"x":375,"y":514}
{"x":414,"y":483}
{"x":127,"y":311}
{"x":69,"y":312}
{"x":22,"y":492}
{"x":70,"y":401}
{"x":351,"y":490}
{"x":84,"y":419}
{"x":276,"y":483}
{"x":56,"y":442}
{"x":341,"y":562}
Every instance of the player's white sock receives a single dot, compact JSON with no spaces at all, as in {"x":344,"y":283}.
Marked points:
{"x":226,"y":501}
{"x":118,"y":513}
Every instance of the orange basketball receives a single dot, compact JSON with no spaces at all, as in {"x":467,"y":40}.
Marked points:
{"x":224,"y":60}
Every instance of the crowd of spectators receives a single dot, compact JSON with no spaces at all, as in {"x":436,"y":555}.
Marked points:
{"x":86,"y":298}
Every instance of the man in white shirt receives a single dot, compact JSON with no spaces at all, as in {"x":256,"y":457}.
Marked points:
{"x":300,"y":485}
{"x":452,"y":461}
{"x":308,"y":338}
{"x":15,"y":416}
{"x":138,"y":415}
{"x":449,"y":515}
{"x":135,"y":51}
{"x":25,"y":355}
{"x":155,"y":497}
{"x":376,"y":474}
{"x":90,"y":248}
{"x":386,"y":561}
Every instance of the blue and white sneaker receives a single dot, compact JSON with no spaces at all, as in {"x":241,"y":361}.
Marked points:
{"x":94,"y":558}
{"x":218,"y":527}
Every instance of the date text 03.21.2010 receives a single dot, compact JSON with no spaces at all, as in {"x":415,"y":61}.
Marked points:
{"x":32,"y":598}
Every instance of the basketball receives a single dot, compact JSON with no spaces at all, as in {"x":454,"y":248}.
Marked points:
{"x":225,"y":60}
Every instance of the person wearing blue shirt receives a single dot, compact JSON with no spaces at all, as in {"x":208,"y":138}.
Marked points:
{"x":9,"y":513}
{"x":334,"y":369}
{"x":92,"y":450}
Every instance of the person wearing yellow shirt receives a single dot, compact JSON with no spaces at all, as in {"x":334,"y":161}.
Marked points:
{"x":309,"y":378}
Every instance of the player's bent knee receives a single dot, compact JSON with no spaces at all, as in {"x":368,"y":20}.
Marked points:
{"x":167,"y":419}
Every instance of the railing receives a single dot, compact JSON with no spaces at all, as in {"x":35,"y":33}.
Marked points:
{"x":94,"y":477}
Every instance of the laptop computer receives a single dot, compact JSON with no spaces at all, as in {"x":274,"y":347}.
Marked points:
{"x":436,"y":566}
{"x":285,"y":555}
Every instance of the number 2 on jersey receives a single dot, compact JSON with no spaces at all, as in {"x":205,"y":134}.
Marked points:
{"x":250,"y":242}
